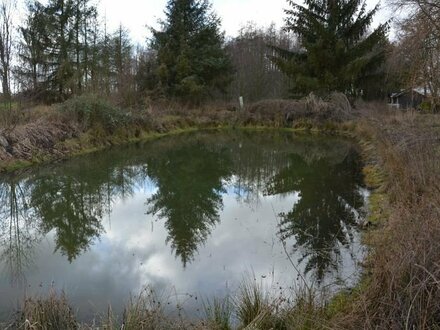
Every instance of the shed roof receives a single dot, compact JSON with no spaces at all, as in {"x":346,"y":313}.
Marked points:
{"x":418,"y":90}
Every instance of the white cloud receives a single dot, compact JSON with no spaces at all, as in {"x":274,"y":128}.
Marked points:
{"x":235,"y":14}
{"x":136,"y":15}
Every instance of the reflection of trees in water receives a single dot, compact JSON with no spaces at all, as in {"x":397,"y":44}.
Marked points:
{"x":189,"y":182}
{"x":73,"y":200}
{"x":18,"y":232}
{"x":191,"y":173}
{"x":70,"y":200}
{"x":73,"y":208}
{"x":256,"y":161}
{"x":189,"y":176}
{"x":254,"y":165}
{"x":322,"y":221}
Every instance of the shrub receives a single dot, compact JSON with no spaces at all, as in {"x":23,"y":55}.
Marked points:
{"x":425,"y":107}
{"x":90,"y":111}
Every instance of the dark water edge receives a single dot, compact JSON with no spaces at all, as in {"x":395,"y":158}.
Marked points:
{"x":188,"y":215}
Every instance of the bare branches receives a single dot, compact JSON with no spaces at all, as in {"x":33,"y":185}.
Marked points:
{"x":6,"y":27}
{"x":430,"y":9}
{"x":417,"y":53}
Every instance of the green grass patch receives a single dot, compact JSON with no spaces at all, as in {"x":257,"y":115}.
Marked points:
{"x":15,"y":165}
{"x":373,"y":176}
{"x":378,"y":208}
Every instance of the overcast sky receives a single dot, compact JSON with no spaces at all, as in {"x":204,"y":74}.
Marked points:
{"x":137,"y":14}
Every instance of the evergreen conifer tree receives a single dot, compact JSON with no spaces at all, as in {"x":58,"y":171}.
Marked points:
{"x":191,"y":58}
{"x":54,"y":48}
{"x":33,"y":48}
{"x":337,"y":51}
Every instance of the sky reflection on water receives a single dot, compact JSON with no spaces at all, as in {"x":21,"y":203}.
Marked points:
{"x":190,"y":214}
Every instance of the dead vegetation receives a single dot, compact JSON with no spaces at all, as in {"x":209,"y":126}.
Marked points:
{"x":26,"y":142}
{"x":403,"y":279}
{"x":401,"y":289}
{"x":336,"y":108}
{"x":250,"y":307}
{"x":49,"y":313}
{"x":88,"y":122}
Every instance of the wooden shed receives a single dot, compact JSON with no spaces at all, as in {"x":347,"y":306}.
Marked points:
{"x":407,"y":99}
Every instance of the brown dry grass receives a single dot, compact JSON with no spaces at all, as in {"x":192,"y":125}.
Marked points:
{"x":49,"y":313}
{"x":403,"y":290}
{"x":252,"y":307}
{"x":36,"y":139}
{"x":336,"y":108}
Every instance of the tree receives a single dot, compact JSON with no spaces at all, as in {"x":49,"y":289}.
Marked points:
{"x":416,"y":55}
{"x":6,"y":28}
{"x":255,"y":76}
{"x":85,"y":16}
{"x":122,"y":66}
{"x":33,"y":68}
{"x":56,"y":49}
{"x":47,"y":49}
{"x":61,"y":34}
{"x":337,"y":52}
{"x":192,"y":62}
{"x":146,"y":79}
{"x":429,"y":9}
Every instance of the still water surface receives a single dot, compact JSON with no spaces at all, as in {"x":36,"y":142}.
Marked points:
{"x":189,"y":215}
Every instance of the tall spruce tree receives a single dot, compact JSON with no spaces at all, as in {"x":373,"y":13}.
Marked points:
{"x":337,"y":51}
{"x":192,"y":62}
{"x":56,"y":40}
{"x":61,"y":34}
{"x":33,"y":67}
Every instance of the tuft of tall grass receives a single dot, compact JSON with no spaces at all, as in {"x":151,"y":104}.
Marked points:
{"x":145,"y":312}
{"x":51,"y":313}
{"x":307,"y":311}
{"x":218,"y":313}
{"x":253,"y":305}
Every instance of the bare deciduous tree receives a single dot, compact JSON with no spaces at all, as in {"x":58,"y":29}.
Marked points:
{"x":430,"y":9}
{"x":6,"y":28}
{"x":256,"y":77}
{"x":418,"y":48}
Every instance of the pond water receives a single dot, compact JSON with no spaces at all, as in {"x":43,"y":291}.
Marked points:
{"x":191,"y":215}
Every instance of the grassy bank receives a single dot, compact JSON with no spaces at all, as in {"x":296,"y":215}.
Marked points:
{"x":400,"y":288}
{"x":403,"y":290}
{"x":86,"y":124}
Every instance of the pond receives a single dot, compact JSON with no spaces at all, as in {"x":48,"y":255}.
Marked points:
{"x":191,"y":215}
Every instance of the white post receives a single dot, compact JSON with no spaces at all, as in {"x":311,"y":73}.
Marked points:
{"x":240,"y":99}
